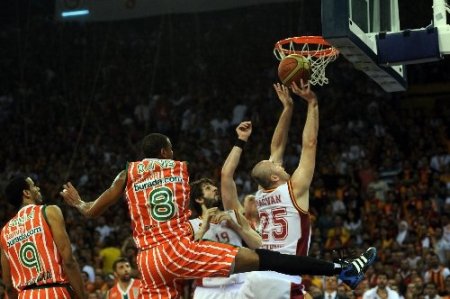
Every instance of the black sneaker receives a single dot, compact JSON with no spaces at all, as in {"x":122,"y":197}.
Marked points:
{"x":353,"y":269}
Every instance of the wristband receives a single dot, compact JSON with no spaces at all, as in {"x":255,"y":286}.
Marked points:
{"x":240,"y":143}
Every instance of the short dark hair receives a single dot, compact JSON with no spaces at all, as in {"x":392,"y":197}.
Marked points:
{"x":197,"y":192}
{"x":118,"y":261}
{"x":14,"y":190}
{"x":153,"y":143}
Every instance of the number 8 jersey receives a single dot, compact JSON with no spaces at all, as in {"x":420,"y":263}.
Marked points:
{"x":157,"y":193}
{"x":284,"y":227}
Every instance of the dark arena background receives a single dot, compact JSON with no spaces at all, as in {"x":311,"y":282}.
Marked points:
{"x":76,"y":98}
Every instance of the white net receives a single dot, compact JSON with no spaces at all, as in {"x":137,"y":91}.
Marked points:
{"x":318,"y":54}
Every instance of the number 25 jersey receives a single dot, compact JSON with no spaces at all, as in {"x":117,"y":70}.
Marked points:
{"x":284,"y":226}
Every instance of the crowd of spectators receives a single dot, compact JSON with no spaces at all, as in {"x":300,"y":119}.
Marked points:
{"x":76,"y":98}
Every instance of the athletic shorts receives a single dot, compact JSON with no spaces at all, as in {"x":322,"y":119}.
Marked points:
{"x":274,"y":285}
{"x":219,"y":287}
{"x":164,"y":267}
{"x":230,"y":291}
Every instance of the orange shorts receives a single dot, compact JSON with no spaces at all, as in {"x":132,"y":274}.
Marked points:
{"x":164,"y":267}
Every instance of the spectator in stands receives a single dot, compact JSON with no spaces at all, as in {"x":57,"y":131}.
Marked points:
{"x":330,"y":287}
{"x":382,"y":290}
{"x":108,"y":254}
{"x":436,"y":272}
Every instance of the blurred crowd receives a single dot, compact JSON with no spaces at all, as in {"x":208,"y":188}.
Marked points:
{"x":76,"y":98}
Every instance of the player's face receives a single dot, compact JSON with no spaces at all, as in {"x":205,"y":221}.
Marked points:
{"x":123,"y":271}
{"x":169,"y":150}
{"x":382,"y":281}
{"x":331,"y":282}
{"x":250,"y":208}
{"x":211,"y":195}
{"x":279,"y":171}
{"x":35,"y":191}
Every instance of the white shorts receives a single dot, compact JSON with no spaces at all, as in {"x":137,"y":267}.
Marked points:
{"x":269,"y":284}
{"x":220,"y":287}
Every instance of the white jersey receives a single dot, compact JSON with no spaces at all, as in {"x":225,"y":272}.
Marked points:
{"x":219,"y":232}
{"x":219,"y":287}
{"x":284,"y":226}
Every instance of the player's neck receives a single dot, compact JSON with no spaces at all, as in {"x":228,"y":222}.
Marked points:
{"x":27,"y":202}
{"x":124,"y":284}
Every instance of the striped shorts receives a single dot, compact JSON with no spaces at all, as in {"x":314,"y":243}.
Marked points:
{"x":164,"y":267}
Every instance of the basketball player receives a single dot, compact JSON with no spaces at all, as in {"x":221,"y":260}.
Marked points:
{"x":283,"y":201}
{"x":36,"y":255}
{"x":222,"y":226}
{"x":228,"y":227}
{"x":286,"y":286}
{"x":157,"y":192}
{"x":126,"y":286}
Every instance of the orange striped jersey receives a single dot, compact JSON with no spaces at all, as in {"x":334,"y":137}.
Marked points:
{"x":30,"y":249}
{"x":131,"y":292}
{"x":437,"y":276}
{"x":157,"y":193}
{"x":284,"y":226}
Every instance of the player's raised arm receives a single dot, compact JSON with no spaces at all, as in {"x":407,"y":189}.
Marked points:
{"x":95,"y":208}
{"x":227,"y":184}
{"x":302,"y":176}
{"x":280,"y":135}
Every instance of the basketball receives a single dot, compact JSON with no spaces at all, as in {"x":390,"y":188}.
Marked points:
{"x":292,"y":68}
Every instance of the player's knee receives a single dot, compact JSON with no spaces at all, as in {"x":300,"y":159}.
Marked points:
{"x":246,"y":260}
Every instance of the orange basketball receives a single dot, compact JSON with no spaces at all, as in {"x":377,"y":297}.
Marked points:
{"x":292,"y":68}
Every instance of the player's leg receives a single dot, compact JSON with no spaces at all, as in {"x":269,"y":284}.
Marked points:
{"x":163,"y":265}
{"x":349,"y":271}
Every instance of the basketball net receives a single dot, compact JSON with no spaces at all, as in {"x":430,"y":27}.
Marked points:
{"x":314,"y":48}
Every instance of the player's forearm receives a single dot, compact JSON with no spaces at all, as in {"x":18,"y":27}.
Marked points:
{"x":73,"y":273}
{"x":280,"y":135}
{"x":85,"y":208}
{"x":97,"y":207}
{"x":232,"y":162}
{"x":311,"y":128}
{"x":251,"y":238}
{"x":12,"y":293}
{"x":199,"y":234}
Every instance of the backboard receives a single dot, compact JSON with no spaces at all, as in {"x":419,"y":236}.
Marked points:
{"x":368,"y":34}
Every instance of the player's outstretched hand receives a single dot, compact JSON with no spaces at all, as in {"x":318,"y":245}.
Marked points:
{"x":304,"y":91}
{"x":70,"y":195}
{"x":283,"y":94}
{"x":244,"y":130}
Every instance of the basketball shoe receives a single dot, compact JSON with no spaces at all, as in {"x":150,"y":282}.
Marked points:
{"x":353,"y":269}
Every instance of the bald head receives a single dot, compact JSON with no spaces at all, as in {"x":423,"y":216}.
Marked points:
{"x":267,"y":174}
{"x":261,"y":173}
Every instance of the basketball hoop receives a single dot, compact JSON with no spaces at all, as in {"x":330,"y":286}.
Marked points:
{"x":318,"y":51}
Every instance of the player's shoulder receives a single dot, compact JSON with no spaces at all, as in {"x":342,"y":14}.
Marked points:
{"x":52,"y":209}
{"x":52,"y":212}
